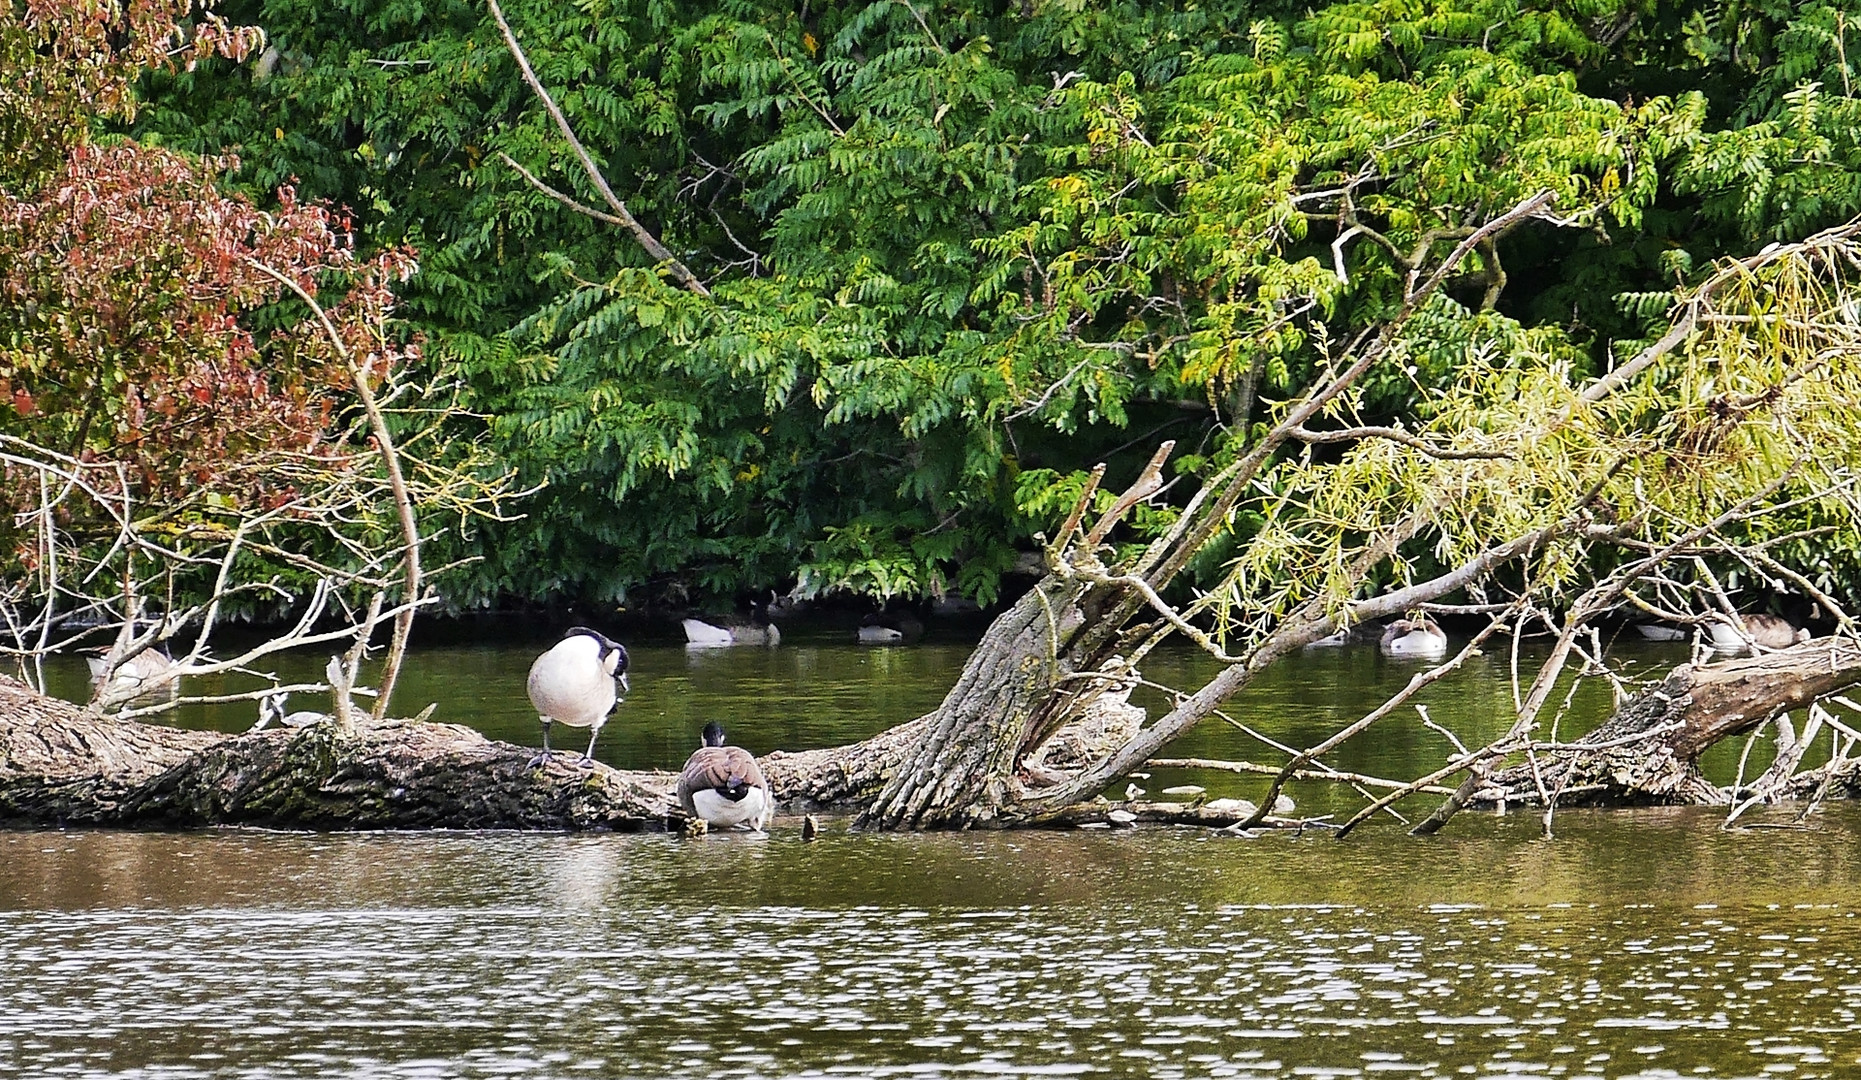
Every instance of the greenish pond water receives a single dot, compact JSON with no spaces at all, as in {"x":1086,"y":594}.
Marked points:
{"x":1636,"y":944}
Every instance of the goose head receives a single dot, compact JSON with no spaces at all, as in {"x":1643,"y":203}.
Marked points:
{"x":610,"y":654}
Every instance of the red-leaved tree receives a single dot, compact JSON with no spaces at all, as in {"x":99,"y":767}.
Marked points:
{"x":194,"y":390}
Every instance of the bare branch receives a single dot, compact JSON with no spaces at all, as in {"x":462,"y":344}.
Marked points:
{"x":403,"y":504}
{"x":660,"y":253}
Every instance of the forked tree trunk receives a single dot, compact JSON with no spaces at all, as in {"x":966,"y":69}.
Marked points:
{"x":962,"y":770}
{"x":1048,"y":666}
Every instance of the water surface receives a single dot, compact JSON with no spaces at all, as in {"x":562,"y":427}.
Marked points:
{"x":1649,"y":944}
{"x":1636,"y":944}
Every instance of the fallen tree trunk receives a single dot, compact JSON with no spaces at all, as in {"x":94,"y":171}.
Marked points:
{"x":1648,"y":752}
{"x":58,"y":767}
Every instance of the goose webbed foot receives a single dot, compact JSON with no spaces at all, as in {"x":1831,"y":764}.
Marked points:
{"x":542,"y":759}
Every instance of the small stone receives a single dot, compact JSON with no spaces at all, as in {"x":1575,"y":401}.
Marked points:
{"x":1132,"y":791}
{"x":1121,"y":817}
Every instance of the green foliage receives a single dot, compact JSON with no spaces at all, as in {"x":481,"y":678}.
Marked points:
{"x":959,"y":253}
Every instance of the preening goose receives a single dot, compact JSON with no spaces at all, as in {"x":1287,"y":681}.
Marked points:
{"x":150,"y":671}
{"x":1769,"y":631}
{"x":722,"y":785}
{"x":714,"y":630}
{"x":1418,"y":637}
{"x":889,"y":628}
{"x":574,"y":683}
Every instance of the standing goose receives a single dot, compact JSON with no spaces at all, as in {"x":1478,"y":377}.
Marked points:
{"x":722,"y":785}
{"x":574,"y":682}
{"x":1418,"y":637}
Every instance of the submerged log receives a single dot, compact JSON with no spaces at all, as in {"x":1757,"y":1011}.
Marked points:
{"x":1648,"y":752}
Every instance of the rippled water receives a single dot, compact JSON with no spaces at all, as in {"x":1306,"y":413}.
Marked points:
{"x":1643,"y":944}
{"x":1652,"y":946}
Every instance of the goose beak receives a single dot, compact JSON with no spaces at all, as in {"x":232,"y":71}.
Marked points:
{"x":623,"y":683}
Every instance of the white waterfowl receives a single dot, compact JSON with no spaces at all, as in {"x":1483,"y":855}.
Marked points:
{"x":874,"y":632}
{"x":1768,"y":631}
{"x":150,"y":671}
{"x":574,"y":683}
{"x":1418,"y":637}
{"x":722,"y":786}
{"x":274,"y":708}
{"x":888,"y":628}
{"x":717,"y":630}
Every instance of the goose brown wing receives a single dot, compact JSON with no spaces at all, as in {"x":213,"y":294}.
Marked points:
{"x":712,"y":768}
{"x":743,"y":764}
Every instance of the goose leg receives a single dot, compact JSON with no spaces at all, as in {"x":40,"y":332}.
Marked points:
{"x":544,"y":757}
{"x":588,"y":758}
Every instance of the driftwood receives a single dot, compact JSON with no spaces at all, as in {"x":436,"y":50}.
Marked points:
{"x":1648,"y":752}
{"x":60,"y":767}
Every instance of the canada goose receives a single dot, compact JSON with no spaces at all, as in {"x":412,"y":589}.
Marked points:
{"x":574,"y":682}
{"x":150,"y":671}
{"x":888,"y":628}
{"x":722,"y":785}
{"x":1769,"y":631}
{"x":1418,"y":637}
{"x":272,"y":710}
{"x":714,"y":630}
{"x":873,"y":632}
